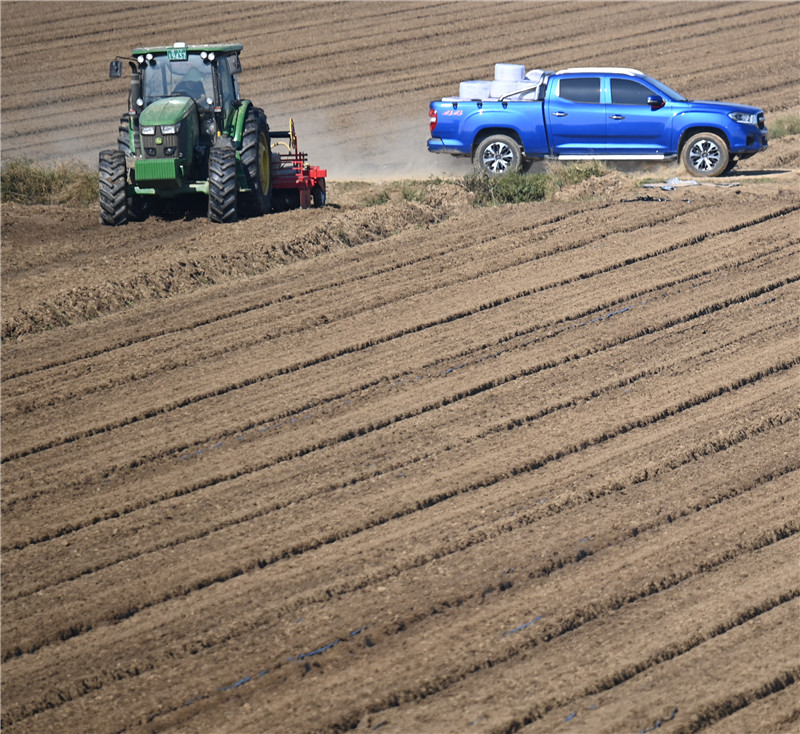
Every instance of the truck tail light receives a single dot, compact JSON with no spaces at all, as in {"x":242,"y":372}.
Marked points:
{"x":432,"y":115}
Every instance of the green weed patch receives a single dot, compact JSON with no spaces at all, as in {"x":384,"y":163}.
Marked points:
{"x":30,"y":182}
{"x":519,"y":188}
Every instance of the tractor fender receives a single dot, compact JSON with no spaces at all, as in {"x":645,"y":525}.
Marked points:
{"x":237,"y":126}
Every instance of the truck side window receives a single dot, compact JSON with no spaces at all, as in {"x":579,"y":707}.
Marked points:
{"x":585,"y":90}
{"x":627,"y":91}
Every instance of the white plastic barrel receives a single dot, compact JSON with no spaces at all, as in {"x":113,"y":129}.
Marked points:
{"x":509,"y":72}
{"x":474,"y":90}
{"x":500,"y":88}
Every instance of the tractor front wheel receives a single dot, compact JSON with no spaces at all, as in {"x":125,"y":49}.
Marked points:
{"x":223,"y":189}
{"x":113,"y":180}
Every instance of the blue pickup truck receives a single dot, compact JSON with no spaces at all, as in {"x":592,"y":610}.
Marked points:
{"x":600,"y":113}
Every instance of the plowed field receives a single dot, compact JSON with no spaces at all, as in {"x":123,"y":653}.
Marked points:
{"x":403,"y":464}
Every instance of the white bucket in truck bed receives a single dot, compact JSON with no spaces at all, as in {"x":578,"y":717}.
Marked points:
{"x":474,"y":90}
{"x":509,"y":72}
{"x":502,"y":88}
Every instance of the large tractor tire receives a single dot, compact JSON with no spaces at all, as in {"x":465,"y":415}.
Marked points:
{"x":256,"y":159}
{"x":138,"y":207}
{"x":113,"y":181}
{"x":223,"y":189}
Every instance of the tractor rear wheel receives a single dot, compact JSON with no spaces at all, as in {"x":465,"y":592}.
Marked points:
{"x":113,"y":181}
{"x":223,"y":190}
{"x":257,"y":162}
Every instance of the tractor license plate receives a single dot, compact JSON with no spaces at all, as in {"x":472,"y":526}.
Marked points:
{"x":176,"y":54}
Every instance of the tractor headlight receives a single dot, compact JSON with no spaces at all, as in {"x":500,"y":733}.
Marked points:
{"x":170,"y":129}
{"x":148,"y":130}
{"x":743,"y":117}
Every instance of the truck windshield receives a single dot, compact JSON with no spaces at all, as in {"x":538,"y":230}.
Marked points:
{"x":189,"y":78}
{"x":664,"y":89}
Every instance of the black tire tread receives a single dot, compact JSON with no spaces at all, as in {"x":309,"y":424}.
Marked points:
{"x":254,"y":202}
{"x":222,"y":185}
{"x":112,"y":188}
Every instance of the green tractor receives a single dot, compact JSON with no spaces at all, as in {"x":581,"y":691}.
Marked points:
{"x":187,"y":131}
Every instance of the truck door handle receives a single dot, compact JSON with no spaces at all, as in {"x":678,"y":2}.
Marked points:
{"x":559,"y":114}
{"x":617,"y":117}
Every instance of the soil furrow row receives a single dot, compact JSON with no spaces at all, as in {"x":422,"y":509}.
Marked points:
{"x":633,"y":586}
{"x":166,"y":560}
{"x":573,"y":352}
{"x":375,"y":341}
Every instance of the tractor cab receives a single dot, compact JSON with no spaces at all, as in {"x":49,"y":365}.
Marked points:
{"x":190,"y":86}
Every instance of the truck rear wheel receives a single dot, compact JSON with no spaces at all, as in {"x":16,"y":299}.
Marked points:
{"x":223,"y":189}
{"x":705,"y":154}
{"x":497,"y":155}
{"x":256,"y":159}
{"x":113,"y":180}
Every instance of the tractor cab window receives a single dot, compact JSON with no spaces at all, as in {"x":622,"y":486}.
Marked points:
{"x":189,"y":78}
{"x":226,"y":88}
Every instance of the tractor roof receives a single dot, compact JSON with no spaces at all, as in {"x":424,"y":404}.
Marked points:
{"x":219,"y":48}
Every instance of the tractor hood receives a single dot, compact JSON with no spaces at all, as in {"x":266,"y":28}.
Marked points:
{"x":166,"y":111}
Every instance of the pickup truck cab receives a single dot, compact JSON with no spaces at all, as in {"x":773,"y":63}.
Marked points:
{"x":599,"y":113}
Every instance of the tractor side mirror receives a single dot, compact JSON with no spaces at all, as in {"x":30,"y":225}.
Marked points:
{"x":234,"y":65}
{"x":115,"y":69}
{"x":655,"y":102}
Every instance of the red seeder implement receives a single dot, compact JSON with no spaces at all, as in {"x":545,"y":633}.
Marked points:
{"x":294,"y":182}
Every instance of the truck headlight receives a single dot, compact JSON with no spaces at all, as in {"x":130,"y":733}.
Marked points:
{"x":170,"y":129}
{"x":148,"y":130}
{"x":743,"y":117}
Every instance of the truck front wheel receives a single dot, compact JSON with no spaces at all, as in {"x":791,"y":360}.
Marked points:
{"x":705,"y":154}
{"x":497,"y":155}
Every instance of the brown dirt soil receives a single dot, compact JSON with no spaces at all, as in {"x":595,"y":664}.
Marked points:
{"x":403,"y":464}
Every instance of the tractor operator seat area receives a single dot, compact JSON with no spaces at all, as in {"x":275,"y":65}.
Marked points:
{"x":189,"y":78}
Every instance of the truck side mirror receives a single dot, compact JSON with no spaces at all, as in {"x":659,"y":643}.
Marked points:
{"x":115,"y":69}
{"x":655,"y":102}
